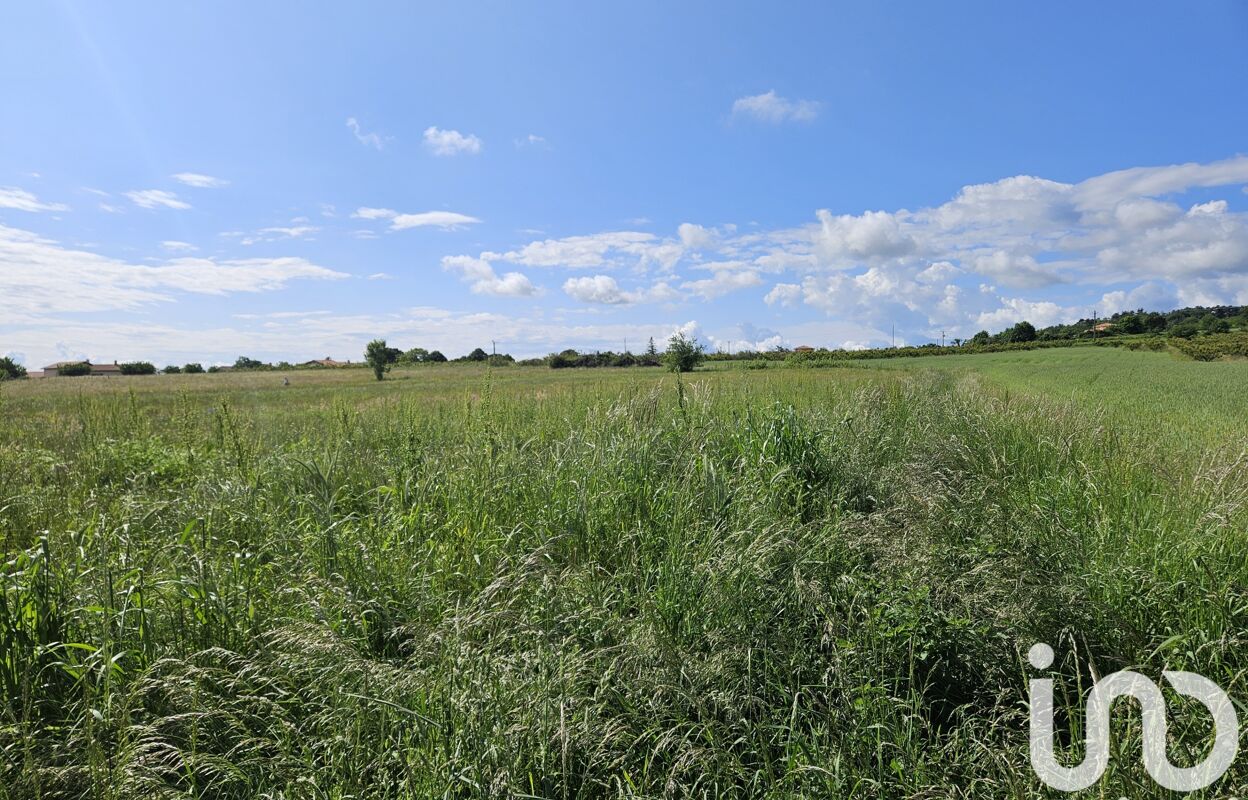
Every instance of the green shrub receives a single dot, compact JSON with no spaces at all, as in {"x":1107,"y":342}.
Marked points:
{"x":10,"y":369}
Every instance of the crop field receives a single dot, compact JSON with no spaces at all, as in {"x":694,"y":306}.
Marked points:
{"x":523,"y":582}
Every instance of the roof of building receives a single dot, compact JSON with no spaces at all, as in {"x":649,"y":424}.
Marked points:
{"x":325,"y":362}
{"x":803,"y":348}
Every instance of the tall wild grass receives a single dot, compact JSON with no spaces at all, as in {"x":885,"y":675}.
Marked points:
{"x":774,"y":583}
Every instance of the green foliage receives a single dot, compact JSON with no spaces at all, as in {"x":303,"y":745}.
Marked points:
{"x":378,"y":357}
{"x":1214,"y":346}
{"x":193,"y":368}
{"x":1022,"y":332}
{"x":138,"y":368}
{"x":10,"y":369}
{"x":776,"y":583}
{"x":172,"y":369}
{"x":244,"y":363}
{"x":74,"y":370}
{"x":684,"y":353}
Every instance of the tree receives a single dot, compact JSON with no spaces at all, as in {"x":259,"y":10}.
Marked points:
{"x":1022,"y":332}
{"x":478,"y":355}
{"x":377,"y":356}
{"x":435,"y":357}
{"x":683,"y":353}
{"x":172,"y":369}
{"x":243,"y":362}
{"x":10,"y":370}
{"x":193,"y":368}
{"x":138,"y":368}
{"x":981,"y":338}
{"x":651,"y":350}
{"x":415,"y":356}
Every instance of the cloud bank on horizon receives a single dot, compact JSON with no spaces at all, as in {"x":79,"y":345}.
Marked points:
{"x":1116,"y":241}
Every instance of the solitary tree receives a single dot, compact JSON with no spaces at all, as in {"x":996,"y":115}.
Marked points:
{"x":435,"y":357}
{"x":194,"y":368}
{"x":478,"y":355}
{"x":377,"y":356}
{"x":683,"y":353}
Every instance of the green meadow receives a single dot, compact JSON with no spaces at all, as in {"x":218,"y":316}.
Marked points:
{"x":522,"y":582}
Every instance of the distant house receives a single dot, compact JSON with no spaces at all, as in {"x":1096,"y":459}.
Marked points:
{"x":1100,"y":327}
{"x":54,"y":370}
{"x":803,"y":348}
{"x":325,"y":362}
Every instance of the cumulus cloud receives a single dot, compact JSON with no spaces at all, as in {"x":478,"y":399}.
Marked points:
{"x":199,"y":181}
{"x":154,"y":198}
{"x":784,"y":294}
{"x":771,"y":107}
{"x":451,"y":143}
{"x":22,"y":200}
{"x":605,"y":290}
{"x":482,"y":278}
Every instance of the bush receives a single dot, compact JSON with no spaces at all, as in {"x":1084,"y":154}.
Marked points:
{"x":683,"y":353}
{"x":76,"y":369}
{"x":193,"y":368}
{"x":172,"y":369}
{"x":138,"y":368}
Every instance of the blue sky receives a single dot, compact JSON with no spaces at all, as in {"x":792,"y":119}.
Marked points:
{"x":196,"y":181}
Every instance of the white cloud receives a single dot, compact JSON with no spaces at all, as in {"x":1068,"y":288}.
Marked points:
{"x":749,"y":338}
{"x":200,"y":181}
{"x":786,"y":294}
{"x":22,"y":200}
{"x":399,"y":222}
{"x":484,"y":280}
{"x":695,"y":237}
{"x":771,"y":107}
{"x":151,"y":198}
{"x":373,"y":140}
{"x":436,"y":219}
{"x":373,"y":213}
{"x":178,"y":247}
{"x":39,"y":276}
{"x":615,"y":249}
{"x":451,"y":143}
{"x":532,"y":140}
{"x":845,"y":239}
{"x":381,"y":276}
{"x":277,"y":233}
{"x":722,"y":283}
{"x":596,"y":289}
{"x":1104,"y":190}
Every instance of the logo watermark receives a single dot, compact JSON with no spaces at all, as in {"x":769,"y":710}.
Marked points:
{"x":1153,"y":714}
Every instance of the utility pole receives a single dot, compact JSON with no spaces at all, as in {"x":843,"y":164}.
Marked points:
{"x":493,"y":347}
{"x":942,"y":338}
{"x":892,"y":327}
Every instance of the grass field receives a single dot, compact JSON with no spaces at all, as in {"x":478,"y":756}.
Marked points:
{"x":778,"y":582}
